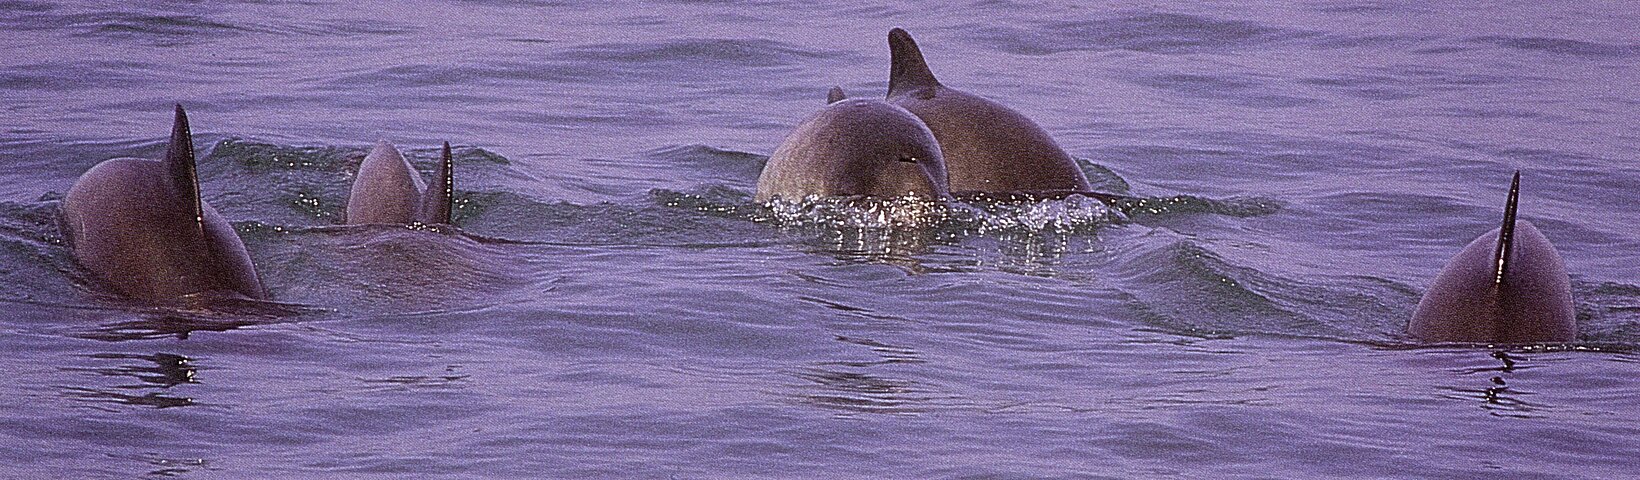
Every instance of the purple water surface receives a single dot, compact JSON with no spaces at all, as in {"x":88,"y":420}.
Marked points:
{"x":613,"y":305}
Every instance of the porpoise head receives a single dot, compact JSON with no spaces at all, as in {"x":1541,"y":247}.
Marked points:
{"x":856,"y":147}
{"x":893,"y":153}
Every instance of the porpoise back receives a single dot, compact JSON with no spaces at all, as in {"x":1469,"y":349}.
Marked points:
{"x":1507,"y":286}
{"x":389,"y":190}
{"x":140,"y":227}
{"x":988,"y":147}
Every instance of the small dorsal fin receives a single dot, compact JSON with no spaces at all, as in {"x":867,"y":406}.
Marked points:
{"x":835,"y":95}
{"x":1506,"y":233}
{"x":179,"y":167}
{"x":907,"y":70}
{"x":436,"y":203}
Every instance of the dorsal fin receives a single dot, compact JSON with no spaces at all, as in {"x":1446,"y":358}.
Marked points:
{"x":835,"y":95}
{"x":907,"y":69}
{"x":179,"y":167}
{"x":436,"y":203}
{"x":1506,"y":233}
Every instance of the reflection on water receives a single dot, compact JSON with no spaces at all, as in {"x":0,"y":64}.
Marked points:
{"x":155,"y":321}
{"x":154,"y":376}
{"x":161,"y":326}
{"x":167,"y":467}
{"x":853,"y":387}
{"x":451,"y":378}
{"x":857,"y":393}
{"x":1494,"y":393}
{"x":889,"y":354}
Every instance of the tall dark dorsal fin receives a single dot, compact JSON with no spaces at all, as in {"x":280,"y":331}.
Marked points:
{"x":179,"y":167}
{"x":835,"y":95}
{"x":1506,"y":233}
{"x":436,"y":202}
{"x":907,"y":70}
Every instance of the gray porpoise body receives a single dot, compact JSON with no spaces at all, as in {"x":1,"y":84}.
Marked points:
{"x":140,"y":227}
{"x":856,"y":147}
{"x":988,"y":147}
{"x":389,"y":190}
{"x":1531,"y":303}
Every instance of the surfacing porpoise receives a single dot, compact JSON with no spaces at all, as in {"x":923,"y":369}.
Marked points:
{"x":389,"y":190}
{"x":1508,"y":286}
{"x":988,"y":147}
{"x":140,"y":227}
{"x":855,"y":147}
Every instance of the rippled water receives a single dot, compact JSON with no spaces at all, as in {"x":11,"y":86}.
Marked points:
{"x":612,"y":304}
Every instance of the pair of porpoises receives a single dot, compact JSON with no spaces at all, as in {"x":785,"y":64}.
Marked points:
{"x":141,"y":228}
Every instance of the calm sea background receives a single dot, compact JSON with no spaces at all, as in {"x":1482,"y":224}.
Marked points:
{"x":612,"y":304}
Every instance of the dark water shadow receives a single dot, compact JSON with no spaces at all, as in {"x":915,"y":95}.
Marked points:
{"x":143,"y":380}
{"x":165,"y":321}
{"x":854,"y":387}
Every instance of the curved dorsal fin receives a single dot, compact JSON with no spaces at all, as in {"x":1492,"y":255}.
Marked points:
{"x":1506,"y":233}
{"x":835,"y":95}
{"x":179,"y":167}
{"x":907,"y":70}
{"x":436,"y":202}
